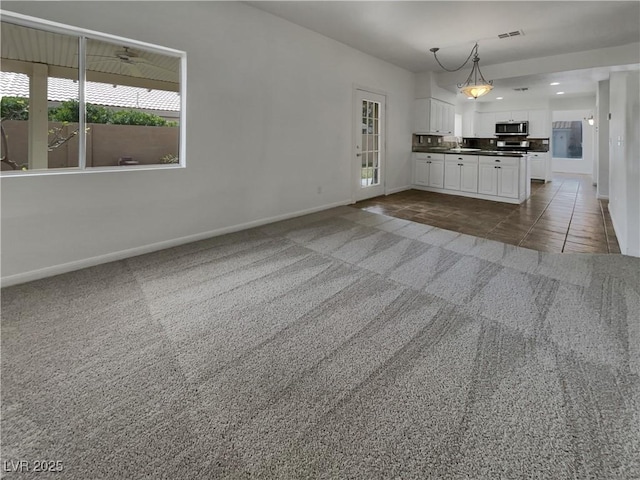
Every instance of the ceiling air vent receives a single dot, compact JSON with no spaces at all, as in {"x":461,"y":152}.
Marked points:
{"x":521,"y":89}
{"x":515,"y":33}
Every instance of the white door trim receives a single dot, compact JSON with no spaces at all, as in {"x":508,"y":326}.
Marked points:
{"x":356,"y":115}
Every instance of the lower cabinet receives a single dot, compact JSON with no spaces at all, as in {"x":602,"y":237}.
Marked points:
{"x":429,"y":170}
{"x":539,"y":165}
{"x":461,"y":173}
{"x":500,"y":176}
{"x":503,"y":179}
{"x":487,"y":179}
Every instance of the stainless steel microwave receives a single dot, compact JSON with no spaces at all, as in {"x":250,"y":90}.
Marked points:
{"x":512,"y":128}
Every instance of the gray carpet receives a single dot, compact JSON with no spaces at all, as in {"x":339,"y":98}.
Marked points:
{"x":343,"y":345}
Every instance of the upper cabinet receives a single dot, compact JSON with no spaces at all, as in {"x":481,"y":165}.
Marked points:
{"x":483,"y":124}
{"x":469,"y":123}
{"x":515,"y":116}
{"x":434,"y":117}
{"x":539,"y":126}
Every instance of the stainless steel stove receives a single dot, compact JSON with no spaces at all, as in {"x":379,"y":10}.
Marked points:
{"x":513,"y":146}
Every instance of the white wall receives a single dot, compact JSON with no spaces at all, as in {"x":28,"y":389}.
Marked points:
{"x":269,"y":120}
{"x":624,"y":159}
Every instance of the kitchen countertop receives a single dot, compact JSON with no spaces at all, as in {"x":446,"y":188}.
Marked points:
{"x":491,"y":153}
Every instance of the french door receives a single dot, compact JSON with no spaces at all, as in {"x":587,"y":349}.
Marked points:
{"x":369,"y":148}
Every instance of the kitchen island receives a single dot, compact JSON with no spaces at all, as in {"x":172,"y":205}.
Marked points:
{"x":487,"y":174}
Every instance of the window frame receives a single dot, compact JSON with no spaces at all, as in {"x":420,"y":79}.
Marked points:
{"x":83,"y":35}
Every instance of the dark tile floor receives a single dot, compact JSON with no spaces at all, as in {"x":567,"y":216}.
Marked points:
{"x":563,"y":215}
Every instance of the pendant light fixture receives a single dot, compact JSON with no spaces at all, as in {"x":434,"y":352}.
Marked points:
{"x":475,"y":86}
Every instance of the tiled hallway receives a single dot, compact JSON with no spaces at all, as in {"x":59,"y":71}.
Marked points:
{"x":560,"y":216}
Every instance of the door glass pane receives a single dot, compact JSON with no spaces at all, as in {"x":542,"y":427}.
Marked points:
{"x":370,"y":143}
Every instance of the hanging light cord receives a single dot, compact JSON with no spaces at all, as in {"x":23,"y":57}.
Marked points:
{"x":473,"y":50}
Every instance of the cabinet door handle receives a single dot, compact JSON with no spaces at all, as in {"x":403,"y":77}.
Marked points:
{"x":428,"y":161}
{"x":498,"y":160}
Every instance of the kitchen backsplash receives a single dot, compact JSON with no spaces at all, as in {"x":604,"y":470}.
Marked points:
{"x":421,"y":142}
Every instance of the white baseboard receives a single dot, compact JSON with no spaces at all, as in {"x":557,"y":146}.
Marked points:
{"x":133,"y":252}
{"x":397,"y":190}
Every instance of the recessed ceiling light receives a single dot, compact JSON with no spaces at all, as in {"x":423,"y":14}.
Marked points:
{"x":559,"y":93}
{"x":554,"y":83}
{"x":499,"y":98}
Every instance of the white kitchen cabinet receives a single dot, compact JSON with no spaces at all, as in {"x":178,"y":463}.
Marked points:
{"x":448,"y":118}
{"x":487,"y":179}
{"x":469,"y":177}
{"x":539,"y":165}
{"x":501,"y":176}
{"x":421,"y":172}
{"x":508,"y":181}
{"x":451,"y":175}
{"x":436,"y":174}
{"x":482,"y":124}
{"x":429,"y":170}
{"x":434,"y":117}
{"x":485,"y":124}
{"x":539,"y":124}
{"x":498,"y":178}
{"x":461,"y":173}
{"x":514,"y":116}
{"x":468,"y":124}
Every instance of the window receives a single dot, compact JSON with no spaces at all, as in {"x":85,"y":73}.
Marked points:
{"x":567,"y":139}
{"x":78,"y":100}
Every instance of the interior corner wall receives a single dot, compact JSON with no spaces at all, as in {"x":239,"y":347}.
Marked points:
{"x":269,"y":121}
{"x":624,"y":159}
{"x":602,"y":125}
